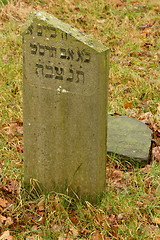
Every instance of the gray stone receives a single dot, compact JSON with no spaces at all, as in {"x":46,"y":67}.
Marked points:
{"x":129,"y":139}
{"x":65,"y":81}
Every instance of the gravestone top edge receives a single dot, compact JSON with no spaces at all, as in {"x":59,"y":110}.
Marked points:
{"x":48,"y":19}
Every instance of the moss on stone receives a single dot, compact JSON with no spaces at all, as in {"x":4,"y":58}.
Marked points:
{"x":48,"y":19}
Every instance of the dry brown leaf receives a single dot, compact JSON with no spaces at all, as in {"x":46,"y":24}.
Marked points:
{"x":64,"y":237}
{"x":74,"y":231}
{"x":34,"y":228}
{"x":9,"y":221}
{"x":2,"y":219}
{"x":128,"y":105}
{"x":117,"y":174}
{"x":156,"y":8}
{"x":101,"y":20}
{"x":12,"y":186}
{"x":33,"y":237}
{"x":41,"y":206}
{"x":96,"y":236}
{"x":156,"y":153}
{"x":146,"y":169}
{"x":120,"y":216}
{"x":6,"y":236}
{"x":5,"y":58}
{"x":111,"y":218}
{"x":57,"y":228}
{"x":10,"y":130}
{"x":157,"y":237}
{"x":3,"y":203}
{"x":157,"y":220}
{"x":14,"y":129}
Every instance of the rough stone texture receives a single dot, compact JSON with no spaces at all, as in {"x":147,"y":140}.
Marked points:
{"x":129,"y":139}
{"x":65,"y":80}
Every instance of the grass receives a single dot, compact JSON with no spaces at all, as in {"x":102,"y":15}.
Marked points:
{"x":130,"y":207}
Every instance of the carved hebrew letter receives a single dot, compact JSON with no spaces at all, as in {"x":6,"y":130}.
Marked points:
{"x":71,"y":78}
{"x":80,"y":55}
{"x":80,"y":76}
{"x":64,"y":36}
{"x":54,"y":34}
{"x":70,"y":54}
{"x":59,"y":72}
{"x":39,"y":30}
{"x":49,"y":75}
{"x":39,"y":68}
{"x":34,"y":48}
{"x":63,"y":53}
{"x":51,"y":50}
{"x":30,"y":29}
{"x":41,"y":50}
{"x":88,"y":57}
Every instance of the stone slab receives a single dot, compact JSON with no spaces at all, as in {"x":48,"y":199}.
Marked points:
{"x":65,"y":81}
{"x":129,"y":139}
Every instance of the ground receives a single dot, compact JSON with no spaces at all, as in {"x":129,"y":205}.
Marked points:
{"x":130,"y":207}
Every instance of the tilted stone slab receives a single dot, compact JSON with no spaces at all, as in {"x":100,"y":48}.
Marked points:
{"x":65,"y":80}
{"x":129,"y":139}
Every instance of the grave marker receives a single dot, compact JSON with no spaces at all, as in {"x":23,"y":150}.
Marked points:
{"x":65,"y":80}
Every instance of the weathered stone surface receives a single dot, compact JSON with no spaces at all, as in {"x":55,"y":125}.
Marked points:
{"x":129,"y":139}
{"x":65,"y":77}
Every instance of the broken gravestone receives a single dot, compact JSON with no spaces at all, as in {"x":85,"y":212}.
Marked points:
{"x":65,"y":80}
{"x":129,"y":140}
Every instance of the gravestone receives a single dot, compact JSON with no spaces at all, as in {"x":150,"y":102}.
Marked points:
{"x":65,"y":80}
{"x":129,"y":140}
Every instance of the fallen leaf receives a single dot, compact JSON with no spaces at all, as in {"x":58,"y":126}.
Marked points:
{"x":33,"y":237}
{"x":111,"y":218}
{"x":142,"y":27}
{"x":3,"y":203}
{"x":14,"y":129}
{"x":156,"y":8}
{"x":101,"y":20}
{"x":96,"y":236}
{"x":57,"y":228}
{"x":9,"y":221}
{"x":74,"y":231}
{"x":34,"y":228}
{"x":2,"y":219}
{"x":5,"y":58}
{"x":41,"y":206}
{"x":10,"y":130}
{"x":120,"y":216}
{"x":6,"y":236}
{"x":156,"y":153}
{"x":128,"y":105}
{"x":157,"y":237}
{"x":12,"y":186}
{"x":144,"y":34}
{"x":63,"y":237}
{"x":117,"y":174}
{"x":157,"y":220}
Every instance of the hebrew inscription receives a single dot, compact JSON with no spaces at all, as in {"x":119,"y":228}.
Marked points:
{"x":52,"y":56}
